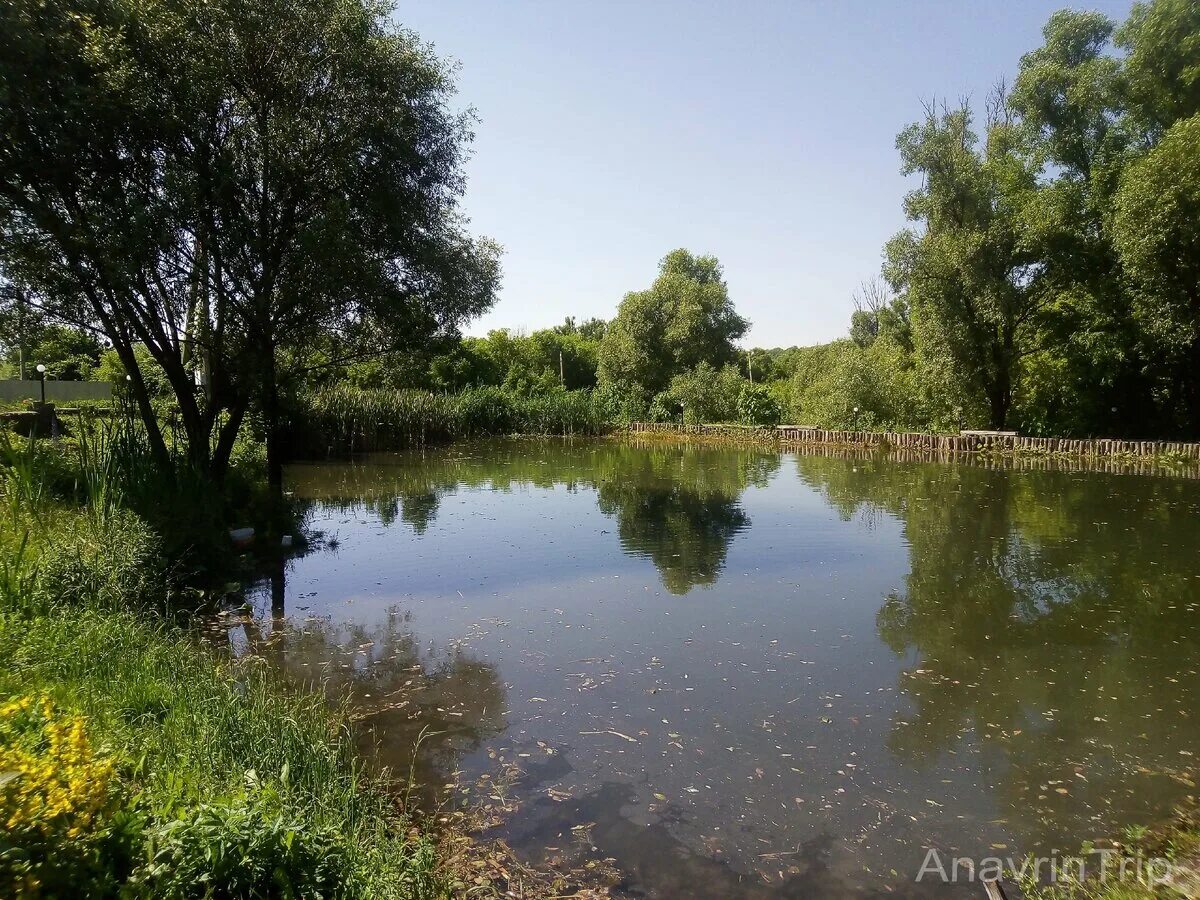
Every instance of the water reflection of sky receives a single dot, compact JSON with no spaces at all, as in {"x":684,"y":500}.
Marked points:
{"x":707,"y":643}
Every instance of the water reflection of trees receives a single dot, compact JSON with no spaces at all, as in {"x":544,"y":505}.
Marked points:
{"x":679,"y":507}
{"x":392,"y":690}
{"x":1055,"y":619}
{"x":676,"y":505}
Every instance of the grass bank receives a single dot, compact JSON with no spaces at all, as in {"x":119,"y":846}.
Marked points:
{"x":134,"y":763}
{"x":1157,"y":863}
{"x":137,"y":763}
{"x":139,"y":766}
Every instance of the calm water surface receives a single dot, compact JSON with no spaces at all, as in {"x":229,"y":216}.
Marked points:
{"x":759,"y":674}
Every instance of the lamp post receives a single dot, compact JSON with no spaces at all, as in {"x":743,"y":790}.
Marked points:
{"x":41,"y":370}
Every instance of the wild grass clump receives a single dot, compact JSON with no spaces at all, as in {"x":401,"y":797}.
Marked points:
{"x":65,"y":537}
{"x":134,"y":763}
{"x":176,"y":776}
{"x":347,"y":419}
{"x":101,"y":492}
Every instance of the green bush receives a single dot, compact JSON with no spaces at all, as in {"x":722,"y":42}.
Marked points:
{"x":757,"y":406}
{"x":252,"y":844}
{"x":843,"y":386}
{"x":704,"y":394}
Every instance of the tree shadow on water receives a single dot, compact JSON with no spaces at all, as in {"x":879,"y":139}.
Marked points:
{"x":655,"y":863}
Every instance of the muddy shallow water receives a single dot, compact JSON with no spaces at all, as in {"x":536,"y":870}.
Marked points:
{"x":759,"y":674}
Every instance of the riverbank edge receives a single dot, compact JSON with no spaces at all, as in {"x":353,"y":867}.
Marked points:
{"x":186,"y":763}
{"x":941,"y":447}
{"x":1174,"y":839}
{"x":128,"y":678}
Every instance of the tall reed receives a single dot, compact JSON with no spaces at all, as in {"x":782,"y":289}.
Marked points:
{"x":345,"y":419}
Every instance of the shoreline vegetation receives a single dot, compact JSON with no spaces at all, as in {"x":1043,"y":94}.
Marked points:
{"x":347,"y":420}
{"x":137,"y":762}
{"x":940,"y":446}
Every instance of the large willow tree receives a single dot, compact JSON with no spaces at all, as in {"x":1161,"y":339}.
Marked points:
{"x":967,"y":267}
{"x":239,"y":186}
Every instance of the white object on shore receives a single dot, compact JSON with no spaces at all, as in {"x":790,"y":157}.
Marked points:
{"x":241,"y":536}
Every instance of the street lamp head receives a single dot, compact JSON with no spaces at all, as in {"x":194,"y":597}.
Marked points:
{"x":41,"y":368}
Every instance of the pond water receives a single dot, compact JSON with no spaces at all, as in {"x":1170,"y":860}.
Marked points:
{"x":758,"y":674}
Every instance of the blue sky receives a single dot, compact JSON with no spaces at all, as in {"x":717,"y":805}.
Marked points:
{"x":763,"y":133}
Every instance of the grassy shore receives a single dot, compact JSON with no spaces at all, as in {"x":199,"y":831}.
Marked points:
{"x":137,"y":763}
{"x":140,"y":766}
{"x":1159,"y":863}
{"x":133,"y":762}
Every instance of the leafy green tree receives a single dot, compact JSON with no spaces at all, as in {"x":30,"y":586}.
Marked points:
{"x":593,"y":329}
{"x":1069,"y":92}
{"x":877,"y":313}
{"x":840,"y":385}
{"x":968,"y":271}
{"x":684,"y":319}
{"x":705,"y":394}
{"x":1156,"y":227}
{"x":1091,"y":373}
{"x":69,"y":354}
{"x":230,"y":184}
{"x":758,"y":406}
{"x":1162,"y":64}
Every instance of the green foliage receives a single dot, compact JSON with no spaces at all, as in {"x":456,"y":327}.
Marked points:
{"x":112,"y":370}
{"x":757,"y":406}
{"x":230,"y":784}
{"x":546,"y":361}
{"x":348,"y":419}
{"x":1050,"y":280}
{"x":685,"y":319}
{"x":212,"y":780}
{"x":884,"y":382}
{"x":1162,"y":68}
{"x":132,"y":130}
{"x":51,"y":552}
{"x":703,"y":394}
{"x":1156,"y":232}
{"x":251,"y":844}
{"x":67,"y":353}
{"x":1068,"y":89}
{"x":968,"y":270}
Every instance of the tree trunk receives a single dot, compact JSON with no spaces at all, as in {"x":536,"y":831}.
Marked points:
{"x":158,"y":445}
{"x":226,"y":437}
{"x":270,"y":406}
{"x":999,"y":402}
